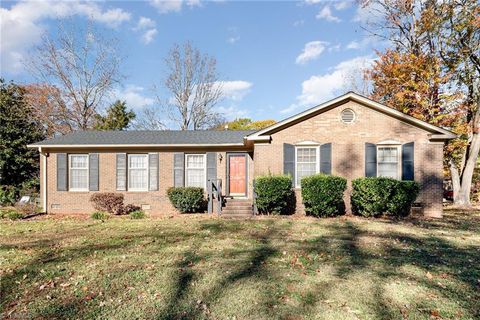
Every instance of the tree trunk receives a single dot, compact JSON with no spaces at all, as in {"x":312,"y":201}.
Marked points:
{"x":464,"y":191}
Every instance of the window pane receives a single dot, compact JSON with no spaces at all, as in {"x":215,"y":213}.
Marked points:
{"x":388,"y":170}
{"x":78,"y":179}
{"x":306,"y":163}
{"x":79,"y":161}
{"x":195,"y":161}
{"x":388,"y":162}
{"x":137,"y":161}
{"x":195,"y":170}
{"x":137,"y":171}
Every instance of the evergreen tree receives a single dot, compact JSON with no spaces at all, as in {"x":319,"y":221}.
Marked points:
{"x":117,"y":118}
{"x":18,"y":128}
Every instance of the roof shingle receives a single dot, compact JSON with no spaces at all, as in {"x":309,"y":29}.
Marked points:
{"x":170,"y":137}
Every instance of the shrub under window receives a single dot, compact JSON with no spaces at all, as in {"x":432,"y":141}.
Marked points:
{"x":108,"y":201}
{"x":187,"y":199}
{"x":274,"y":194}
{"x":374,"y":196}
{"x":322,"y":195}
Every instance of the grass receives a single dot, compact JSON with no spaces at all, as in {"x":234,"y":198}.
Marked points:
{"x":193,"y":267}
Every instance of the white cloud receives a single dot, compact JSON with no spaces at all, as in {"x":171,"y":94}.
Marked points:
{"x":148,"y":36}
{"x":166,"y":6}
{"x":233,"y":40}
{"x":134,"y":96}
{"x":233,"y":112}
{"x":22,"y":26}
{"x":325,"y":86}
{"x":311,"y":51}
{"x":364,"y":43}
{"x":326,"y":13}
{"x":340,"y":5}
{"x":148,"y":28}
{"x":235,"y":90}
{"x":145,"y":23}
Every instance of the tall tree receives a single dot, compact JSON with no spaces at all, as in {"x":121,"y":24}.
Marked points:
{"x":117,"y":117}
{"x":149,"y":119}
{"x":194,"y":89}
{"x":18,"y":128}
{"x":83,"y":66}
{"x":456,"y":25}
{"x":48,"y":107}
{"x":432,"y":71}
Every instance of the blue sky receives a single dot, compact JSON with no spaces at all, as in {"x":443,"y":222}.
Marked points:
{"x":275,"y":58}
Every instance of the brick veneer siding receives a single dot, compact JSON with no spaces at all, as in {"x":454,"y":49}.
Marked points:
{"x":79,"y":202}
{"x":348,"y":149}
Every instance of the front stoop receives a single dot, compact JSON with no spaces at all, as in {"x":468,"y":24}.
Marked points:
{"x":238,"y":208}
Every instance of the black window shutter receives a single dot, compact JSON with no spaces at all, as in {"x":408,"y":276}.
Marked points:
{"x":211,"y":165}
{"x":289,"y":160}
{"x":326,"y":158}
{"x":121,"y":171}
{"x":62,"y":171}
{"x":370,"y":160}
{"x":153,"y":171}
{"x":93,"y":172}
{"x":408,"y":161}
{"x":179,"y":169}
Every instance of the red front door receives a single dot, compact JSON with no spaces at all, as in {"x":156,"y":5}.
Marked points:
{"x":237,"y":174}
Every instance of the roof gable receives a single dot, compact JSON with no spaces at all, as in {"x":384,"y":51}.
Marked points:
{"x":435,"y":132}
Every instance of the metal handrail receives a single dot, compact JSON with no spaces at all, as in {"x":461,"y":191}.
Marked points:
{"x":214,"y":190}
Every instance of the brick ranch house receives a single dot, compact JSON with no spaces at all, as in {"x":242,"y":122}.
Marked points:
{"x":350,"y":136}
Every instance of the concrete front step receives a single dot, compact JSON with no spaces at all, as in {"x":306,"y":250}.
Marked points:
{"x":237,"y":211}
{"x":236,"y":215}
{"x":238,"y":206}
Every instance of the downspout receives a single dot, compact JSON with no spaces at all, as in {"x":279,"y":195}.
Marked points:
{"x":44,"y":179}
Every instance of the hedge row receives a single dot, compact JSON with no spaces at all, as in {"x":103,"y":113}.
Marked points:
{"x":274,"y":194}
{"x":323,"y":195}
{"x":372,"y":197}
{"x":187,"y":199}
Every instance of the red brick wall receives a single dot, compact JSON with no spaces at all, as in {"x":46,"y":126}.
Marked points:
{"x":348,"y":149}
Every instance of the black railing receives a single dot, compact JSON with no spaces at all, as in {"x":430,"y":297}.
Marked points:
{"x":214,"y":189}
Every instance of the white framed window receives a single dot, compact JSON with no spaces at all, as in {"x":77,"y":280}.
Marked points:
{"x":138,"y":172}
{"x":78,"y":172}
{"x":195,"y":170}
{"x":388,"y":161}
{"x":306,"y":162}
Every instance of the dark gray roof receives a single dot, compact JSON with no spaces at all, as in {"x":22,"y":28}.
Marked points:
{"x":169,"y":137}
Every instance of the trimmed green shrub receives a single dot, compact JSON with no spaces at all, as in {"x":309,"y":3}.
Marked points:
{"x":100,"y":215}
{"x":187,"y":199}
{"x":322,"y":195}
{"x":137,"y":214}
{"x":274,"y":194}
{"x":374,"y":196}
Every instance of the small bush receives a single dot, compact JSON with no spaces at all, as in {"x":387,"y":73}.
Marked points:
{"x":100,"y":215}
{"x":274,"y":194}
{"x":129,"y":208}
{"x":8,"y":195}
{"x":322,"y":195}
{"x":187,"y":199}
{"x":108,"y":202}
{"x":26,"y":208}
{"x":11,"y":214}
{"x":374,"y":196}
{"x":137,"y":214}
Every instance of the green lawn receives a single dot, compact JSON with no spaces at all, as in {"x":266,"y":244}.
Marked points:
{"x":192,"y":267}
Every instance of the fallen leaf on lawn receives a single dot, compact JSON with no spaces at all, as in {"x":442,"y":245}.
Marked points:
{"x":429,"y":275}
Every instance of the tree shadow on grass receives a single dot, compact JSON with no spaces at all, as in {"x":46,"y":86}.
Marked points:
{"x":430,"y":254}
